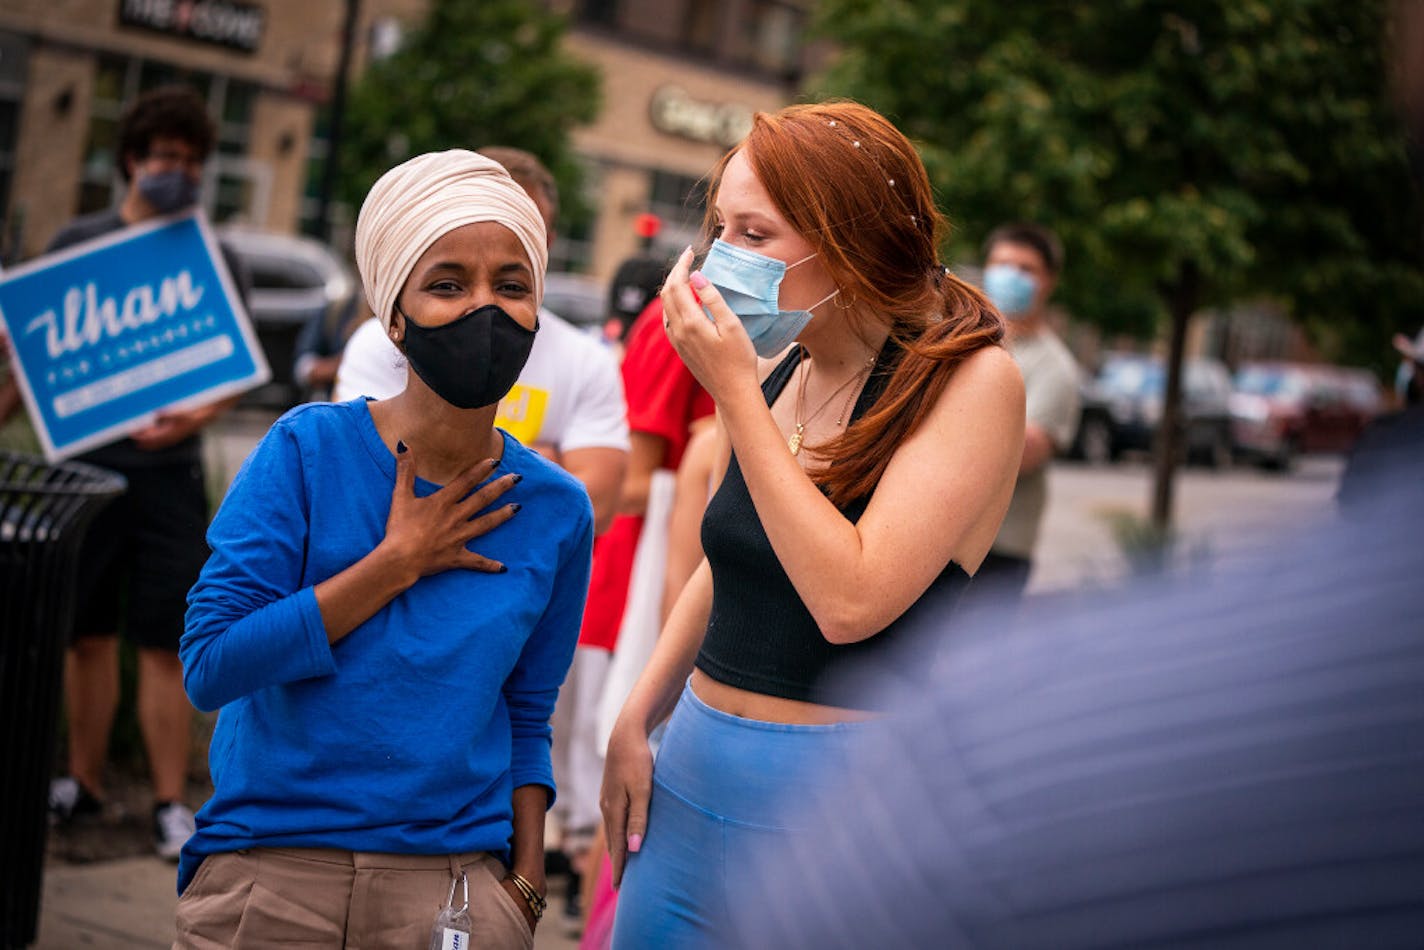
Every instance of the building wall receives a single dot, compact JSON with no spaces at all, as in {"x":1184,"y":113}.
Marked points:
{"x":292,"y":72}
{"x":50,"y":145}
{"x":628,"y":147}
{"x":292,"y":69}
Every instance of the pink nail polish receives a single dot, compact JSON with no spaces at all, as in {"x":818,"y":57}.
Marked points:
{"x":635,"y":843}
{"x":697,"y":280}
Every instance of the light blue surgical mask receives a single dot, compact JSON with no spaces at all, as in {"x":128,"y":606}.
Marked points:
{"x":750,"y":284}
{"x":1010,"y":290}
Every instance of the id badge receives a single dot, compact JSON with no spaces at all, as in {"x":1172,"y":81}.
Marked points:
{"x":452,"y":925}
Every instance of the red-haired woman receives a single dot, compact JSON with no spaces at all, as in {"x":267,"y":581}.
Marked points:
{"x":870,"y":467}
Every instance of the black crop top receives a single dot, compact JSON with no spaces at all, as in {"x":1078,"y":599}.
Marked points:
{"x":760,"y":636}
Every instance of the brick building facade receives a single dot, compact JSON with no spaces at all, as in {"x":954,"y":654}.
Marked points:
{"x":681,"y":79}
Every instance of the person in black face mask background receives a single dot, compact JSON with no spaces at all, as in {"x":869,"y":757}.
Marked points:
{"x":145,"y":550}
{"x":391,"y":604}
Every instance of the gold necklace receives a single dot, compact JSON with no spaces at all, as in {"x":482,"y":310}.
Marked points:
{"x":797,"y":437}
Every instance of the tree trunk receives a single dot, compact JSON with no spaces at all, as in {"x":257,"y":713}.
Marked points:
{"x":1182,"y":297}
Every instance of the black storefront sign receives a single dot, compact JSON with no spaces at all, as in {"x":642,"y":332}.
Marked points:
{"x":221,"y":22}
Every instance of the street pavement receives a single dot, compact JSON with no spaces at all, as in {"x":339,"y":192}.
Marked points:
{"x":128,"y":903}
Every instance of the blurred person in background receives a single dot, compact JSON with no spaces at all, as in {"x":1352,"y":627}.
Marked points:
{"x":660,"y":572}
{"x":386,"y":688}
{"x":1229,"y":760}
{"x":568,"y":403}
{"x":1391,"y":447}
{"x":319,"y":347}
{"x":144,"y":551}
{"x":871,"y":465}
{"x":635,"y":284}
{"x":1022,"y":263}
{"x":1408,"y":379}
{"x":667,"y":407}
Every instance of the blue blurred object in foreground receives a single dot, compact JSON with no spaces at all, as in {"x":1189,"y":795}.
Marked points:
{"x":1229,"y":761}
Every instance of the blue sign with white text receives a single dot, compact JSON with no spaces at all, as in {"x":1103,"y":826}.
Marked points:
{"x":107,"y":333}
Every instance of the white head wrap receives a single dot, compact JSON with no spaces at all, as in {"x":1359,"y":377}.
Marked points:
{"x":414,"y":204}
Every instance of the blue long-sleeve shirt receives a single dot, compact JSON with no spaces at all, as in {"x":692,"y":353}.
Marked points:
{"x":409,"y":734}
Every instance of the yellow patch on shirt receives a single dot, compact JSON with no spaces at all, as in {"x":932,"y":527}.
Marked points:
{"x":521,"y":413}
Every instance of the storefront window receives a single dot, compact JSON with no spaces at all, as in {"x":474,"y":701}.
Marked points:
{"x":701,"y":31}
{"x":600,"y":12}
{"x":317,"y":148}
{"x":679,"y":201}
{"x":763,"y":36}
{"x":771,"y":33}
{"x":573,"y":248}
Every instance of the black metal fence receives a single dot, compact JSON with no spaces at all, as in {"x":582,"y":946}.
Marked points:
{"x":44,"y":512}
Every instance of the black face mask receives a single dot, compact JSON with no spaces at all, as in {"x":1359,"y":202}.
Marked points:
{"x":472,"y":361}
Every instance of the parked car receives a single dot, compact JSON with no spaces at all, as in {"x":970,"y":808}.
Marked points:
{"x":1280,"y":410}
{"x":1122,"y":408}
{"x":295,"y":280}
{"x":578,"y":298}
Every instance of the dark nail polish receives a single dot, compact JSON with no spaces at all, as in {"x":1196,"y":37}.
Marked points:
{"x":515,"y":507}
{"x":495,"y":463}
{"x":400,"y":447}
{"x":517,"y":479}
{"x":503,"y":569}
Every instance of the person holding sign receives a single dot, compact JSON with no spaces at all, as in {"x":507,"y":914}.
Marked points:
{"x":145,"y":550}
{"x":391,"y":604}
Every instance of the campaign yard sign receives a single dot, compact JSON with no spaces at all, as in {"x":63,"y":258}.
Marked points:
{"x":106,"y":333}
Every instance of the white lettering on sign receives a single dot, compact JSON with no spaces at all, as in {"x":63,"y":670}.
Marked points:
{"x":89,"y":319}
{"x":140,"y":377}
{"x":675,"y":112}
{"x":225,"y":22}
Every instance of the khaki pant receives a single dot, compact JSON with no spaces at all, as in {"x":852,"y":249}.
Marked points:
{"x":323,"y":897}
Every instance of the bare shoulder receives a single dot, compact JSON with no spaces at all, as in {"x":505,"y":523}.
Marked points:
{"x":987,"y":373}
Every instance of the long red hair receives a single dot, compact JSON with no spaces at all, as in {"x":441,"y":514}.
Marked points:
{"x":854,"y":187}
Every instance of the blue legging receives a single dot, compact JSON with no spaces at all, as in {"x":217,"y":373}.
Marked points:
{"x":722,"y":785}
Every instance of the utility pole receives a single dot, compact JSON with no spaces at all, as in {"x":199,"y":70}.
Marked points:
{"x":338,"y":119}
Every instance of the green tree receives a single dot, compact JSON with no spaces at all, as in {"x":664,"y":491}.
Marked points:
{"x":1191,"y":154}
{"x":473,"y":73}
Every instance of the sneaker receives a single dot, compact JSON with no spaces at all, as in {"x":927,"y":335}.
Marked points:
{"x":69,"y":799}
{"x":173,"y":825}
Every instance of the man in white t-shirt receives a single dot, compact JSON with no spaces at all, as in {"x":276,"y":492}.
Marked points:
{"x":568,"y":403}
{"x":1021,"y":267}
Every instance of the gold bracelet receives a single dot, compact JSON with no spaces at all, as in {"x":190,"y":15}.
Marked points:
{"x":536,"y":902}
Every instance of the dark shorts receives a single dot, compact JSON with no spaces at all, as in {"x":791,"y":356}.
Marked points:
{"x":141,"y":556}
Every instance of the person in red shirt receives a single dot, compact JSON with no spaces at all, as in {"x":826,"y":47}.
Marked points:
{"x":666,"y":405}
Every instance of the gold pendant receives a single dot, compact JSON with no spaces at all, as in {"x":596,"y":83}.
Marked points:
{"x":794,"y":443}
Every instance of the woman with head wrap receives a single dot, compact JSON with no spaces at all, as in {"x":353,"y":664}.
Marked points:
{"x":384,"y":642}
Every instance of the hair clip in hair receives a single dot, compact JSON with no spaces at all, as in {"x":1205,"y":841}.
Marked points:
{"x":891,"y":181}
